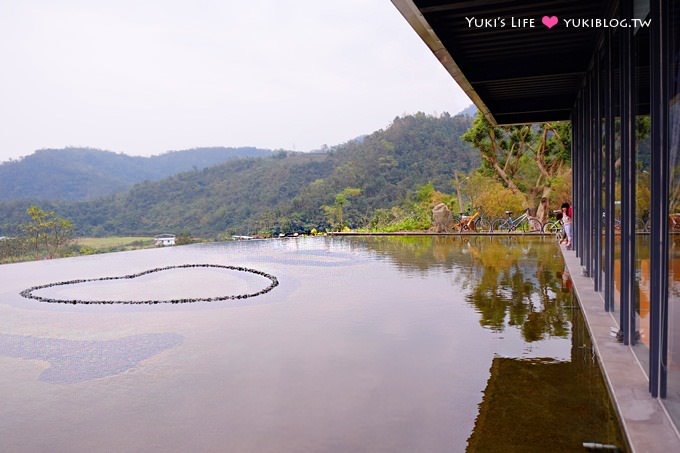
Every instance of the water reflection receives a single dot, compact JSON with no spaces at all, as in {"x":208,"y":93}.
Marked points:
{"x":529,"y":403}
{"x":72,"y":361}
{"x":367,"y":344}
{"x":545,"y":404}
{"x":511,"y":282}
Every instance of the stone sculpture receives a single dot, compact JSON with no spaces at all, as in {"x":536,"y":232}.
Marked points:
{"x":441,"y":218}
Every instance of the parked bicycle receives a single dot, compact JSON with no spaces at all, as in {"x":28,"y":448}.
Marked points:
{"x":640,"y":225}
{"x":472,"y":223}
{"x":524,"y":223}
{"x":554,"y":224}
{"x":674,"y":222}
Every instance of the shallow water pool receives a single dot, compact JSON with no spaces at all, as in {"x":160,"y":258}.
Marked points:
{"x":378,"y":344}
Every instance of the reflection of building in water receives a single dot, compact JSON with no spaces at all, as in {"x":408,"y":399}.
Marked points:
{"x":518,"y":410}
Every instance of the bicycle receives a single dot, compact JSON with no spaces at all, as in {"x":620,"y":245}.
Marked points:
{"x":640,"y":225}
{"x":472,"y":223}
{"x":674,"y":222}
{"x":482,"y":225}
{"x":524,"y":223}
{"x":554,"y":225}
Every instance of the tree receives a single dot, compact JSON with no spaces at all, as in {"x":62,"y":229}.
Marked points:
{"x":184,"y":237}
{"x":491,"y":197}
{"x":47,"y":232}
{"x":256,"y":194}
{"x":335,"y":213}
{"x":528,"y":159}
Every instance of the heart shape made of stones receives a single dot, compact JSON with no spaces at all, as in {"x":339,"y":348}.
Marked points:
{"x":30,"y":293}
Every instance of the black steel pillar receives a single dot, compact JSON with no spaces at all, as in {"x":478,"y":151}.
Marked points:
{"x":627,"y":180}
{"x":596,"y":213}
{"x":660,"y":77}
{"x":609,"y":180}
{"x":576,"y":147}
{"x":587,"y":184}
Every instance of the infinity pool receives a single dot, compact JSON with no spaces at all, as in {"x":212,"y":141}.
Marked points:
{"x":380,"y":344}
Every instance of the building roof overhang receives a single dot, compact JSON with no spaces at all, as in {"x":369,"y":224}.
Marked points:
{"x":513,"y":67}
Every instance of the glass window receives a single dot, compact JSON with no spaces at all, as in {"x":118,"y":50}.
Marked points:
{"x":673,"y":358}
{"x":616,"y":214}
{"x":642,"y":185}
{"x":604,"y":84}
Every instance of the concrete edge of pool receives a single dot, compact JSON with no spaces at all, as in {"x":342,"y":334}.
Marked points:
{"x":644,"y":421}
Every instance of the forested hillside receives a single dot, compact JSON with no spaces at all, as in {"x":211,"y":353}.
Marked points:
{"x":77,"y":174}
{"x":284,"y":192}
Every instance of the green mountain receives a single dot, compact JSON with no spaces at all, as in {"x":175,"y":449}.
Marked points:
{"x":77,"y":174}
{"x":285,"y":191}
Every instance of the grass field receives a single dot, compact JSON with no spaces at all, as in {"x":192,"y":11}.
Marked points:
{"x":15,"y":250}
{"x":115,"y":243}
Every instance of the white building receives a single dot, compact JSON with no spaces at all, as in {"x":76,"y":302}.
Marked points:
{"x":163,"y":240}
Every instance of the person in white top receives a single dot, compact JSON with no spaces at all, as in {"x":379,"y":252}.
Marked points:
{"x":567,"y":214}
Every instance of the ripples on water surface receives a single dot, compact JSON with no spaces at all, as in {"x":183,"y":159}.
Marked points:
{"x":367,"y":344}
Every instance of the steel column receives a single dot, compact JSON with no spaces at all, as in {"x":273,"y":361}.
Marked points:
{"x":627,"y":180}
{"x":610,"y":162}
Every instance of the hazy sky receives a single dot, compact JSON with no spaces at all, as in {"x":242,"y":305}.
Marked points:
{"x":148,"y":76}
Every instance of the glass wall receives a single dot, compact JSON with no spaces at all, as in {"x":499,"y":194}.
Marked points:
{"x":635,"y":116}
{"x":613,"y":206}
{"x":673,"y":312}
{"x":641,"y":188}
{"x":604,"y":175}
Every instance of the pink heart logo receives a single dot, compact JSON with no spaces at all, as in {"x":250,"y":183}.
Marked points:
{"x":549,"y":21}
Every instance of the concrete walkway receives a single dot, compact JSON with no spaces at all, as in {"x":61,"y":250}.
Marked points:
{"x":645,"y":422}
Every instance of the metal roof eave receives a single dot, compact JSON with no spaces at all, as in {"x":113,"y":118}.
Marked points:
{"x":418,"y":22}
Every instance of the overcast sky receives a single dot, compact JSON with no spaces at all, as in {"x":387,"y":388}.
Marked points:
{"x":148,"y":76}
